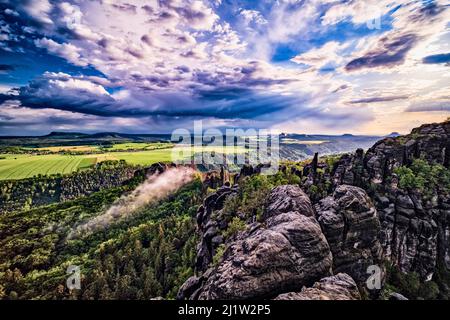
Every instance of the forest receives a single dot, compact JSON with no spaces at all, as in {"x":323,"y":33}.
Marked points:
{"x":147,"y":255}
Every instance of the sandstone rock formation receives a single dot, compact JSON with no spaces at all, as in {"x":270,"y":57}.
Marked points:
{"x":415,"y":228}
{"x":283,"y":253}
{"x":211,"y":228}
{"x":349,"y":221}
{"x":338,"y":287}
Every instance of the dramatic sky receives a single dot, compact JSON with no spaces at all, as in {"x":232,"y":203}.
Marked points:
{"x":307,"y":66}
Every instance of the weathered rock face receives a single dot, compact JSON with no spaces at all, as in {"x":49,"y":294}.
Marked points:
{"x":283,"y":253}
{"x":288,"y":199}
{"x":348,"y":170}
{"x":349,"y":221}
{"x":410,"y":232}
{"x":211,"y":228}
{"x":415,"y":230}
{"x":338,"y":287}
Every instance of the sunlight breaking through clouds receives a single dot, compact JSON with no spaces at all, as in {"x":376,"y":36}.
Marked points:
{"x":277,"y":64}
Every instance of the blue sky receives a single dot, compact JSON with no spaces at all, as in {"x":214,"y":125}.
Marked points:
{"x":307,"y":66}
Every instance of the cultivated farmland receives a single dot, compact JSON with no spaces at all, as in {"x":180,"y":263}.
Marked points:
{"x":21,"y":166}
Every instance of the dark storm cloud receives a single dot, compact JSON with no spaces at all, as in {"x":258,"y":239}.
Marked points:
{"x":183,"y":69}
{"x":146,"y":39}
{"x":390,"y":52}
{"x":75,"y":101}
{"x":379,"y":99}
{"x":228,"y":93}
{"x":187,"y":12}
{"x":6,"y":67}
{"x":427,"y":12}
{"x":81,"y":95}
{"x":48,"y":122}
{"x":231,"y":104}
{"x":437,"y":59}
{"x":341,"y":88}
{"x":148,"y":9}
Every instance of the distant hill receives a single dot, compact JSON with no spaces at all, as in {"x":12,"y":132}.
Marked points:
{"x":77,"y":138}
{"x":65,"y":135}
{"x":293,"y":146}
{"x":393,"y":135}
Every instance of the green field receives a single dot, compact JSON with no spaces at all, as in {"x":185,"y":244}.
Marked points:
{"x":20,"y":166}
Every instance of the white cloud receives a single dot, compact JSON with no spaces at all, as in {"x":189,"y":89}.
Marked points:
{"x":250,"y":16}
{"x":358,"y":12}
{"x":11,"y":12}
{"x":330,"y":52}
{"x":65,"y":50}
{"x":39,"y":10}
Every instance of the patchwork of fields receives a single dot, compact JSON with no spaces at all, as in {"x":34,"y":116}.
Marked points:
{"x":21,"y":166}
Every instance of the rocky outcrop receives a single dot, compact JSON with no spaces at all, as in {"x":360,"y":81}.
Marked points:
{"x":349,"y":169}
{"x":362,"y":217}
{"x":216,"y":178}
{"x":283,"y":253}
{"x":211,"y":229}
{"x":338,"y":287}
{"x":411,"y":232}
{"x":349,"y":221}
{"x":415,"y":227}
{"x":288,"y":199}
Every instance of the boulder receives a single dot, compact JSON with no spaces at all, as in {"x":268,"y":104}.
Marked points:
{"x":338,"y":287}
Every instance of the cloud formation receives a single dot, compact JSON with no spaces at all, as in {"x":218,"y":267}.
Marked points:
{"x":429,"y":106}
{"x":165,"y":63}
{"x":379,"y":99}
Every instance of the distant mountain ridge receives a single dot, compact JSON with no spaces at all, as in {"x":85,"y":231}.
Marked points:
{"x":77,"y":138}
{"x":74,"y":134}
{"x":297,"y":150}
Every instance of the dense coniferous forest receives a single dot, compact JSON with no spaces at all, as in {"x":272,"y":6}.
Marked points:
{"x":147,"y":255}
